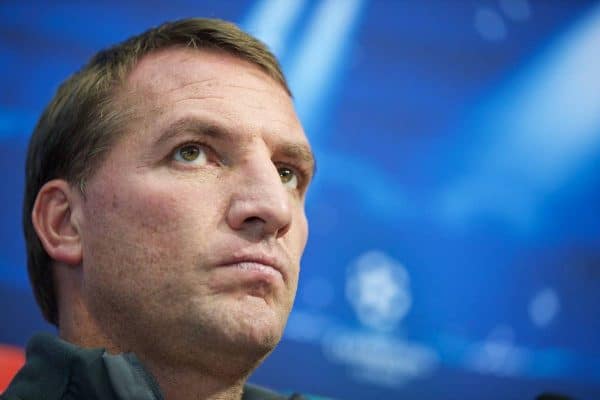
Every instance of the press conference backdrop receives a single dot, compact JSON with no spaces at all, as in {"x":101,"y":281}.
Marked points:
{"x":454,"y":250}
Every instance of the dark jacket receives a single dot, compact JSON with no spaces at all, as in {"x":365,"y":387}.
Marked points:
{"x":58,"y":370}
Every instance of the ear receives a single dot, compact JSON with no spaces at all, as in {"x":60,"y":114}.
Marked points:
{"x":54,"y":221}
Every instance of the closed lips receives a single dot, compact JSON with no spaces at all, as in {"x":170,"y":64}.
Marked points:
{"x":267,"y":265}
{"x":254,"y":266}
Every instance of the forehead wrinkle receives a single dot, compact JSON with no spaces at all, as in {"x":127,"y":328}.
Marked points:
{"x":182,"y":86}
{"x":188,"y":91}
{"x":207,"y":97}
{"x":252,"y":89}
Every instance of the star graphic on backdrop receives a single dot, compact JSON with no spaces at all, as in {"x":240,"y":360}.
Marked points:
{"x":377,"y":290}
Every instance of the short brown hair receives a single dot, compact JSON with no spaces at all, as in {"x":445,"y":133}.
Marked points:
{"x":81,"y":122}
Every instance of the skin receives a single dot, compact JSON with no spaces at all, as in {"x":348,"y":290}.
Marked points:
{"x":193,"y":184}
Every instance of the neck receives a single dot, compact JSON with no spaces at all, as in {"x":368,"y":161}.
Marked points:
{"x":184,"y":384}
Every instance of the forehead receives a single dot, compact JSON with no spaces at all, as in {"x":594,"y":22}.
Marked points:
{"x":173,"y":78}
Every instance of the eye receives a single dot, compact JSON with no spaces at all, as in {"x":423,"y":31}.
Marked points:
{"x":288,"y":177}
{"x":191,"y":154}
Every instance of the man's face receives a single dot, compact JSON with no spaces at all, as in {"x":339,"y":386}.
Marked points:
{"x":194,"y":225}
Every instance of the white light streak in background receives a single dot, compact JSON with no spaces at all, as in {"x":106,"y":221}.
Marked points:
{"x":314,"y":66}
{"x":272,"y":21}
{"x":542,"y":129}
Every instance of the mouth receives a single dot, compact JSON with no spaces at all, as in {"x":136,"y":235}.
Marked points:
{"x":259,"y":266}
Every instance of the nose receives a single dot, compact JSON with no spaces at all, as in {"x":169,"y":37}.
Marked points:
{"x":260,"y":203}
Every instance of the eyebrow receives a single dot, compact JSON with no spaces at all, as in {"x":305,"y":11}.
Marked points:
{"x":298,"y":151}
{"x":192,"y":125}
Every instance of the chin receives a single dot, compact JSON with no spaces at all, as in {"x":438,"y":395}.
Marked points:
{"x":239,"y":326}
{"x":256,"y":323}
{"x":243,"y":333}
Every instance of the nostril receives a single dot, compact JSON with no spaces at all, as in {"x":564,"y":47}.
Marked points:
{"x":265,"y":226}
{"x":253,"y":220}
{"x":283,"y":230}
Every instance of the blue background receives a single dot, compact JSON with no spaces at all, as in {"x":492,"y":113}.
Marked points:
{"x":459,"y":180}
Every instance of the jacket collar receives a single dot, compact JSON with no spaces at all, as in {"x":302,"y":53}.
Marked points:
{"x":56,"y":369}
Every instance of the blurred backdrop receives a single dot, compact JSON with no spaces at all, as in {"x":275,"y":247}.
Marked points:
{"x":455,"y":218}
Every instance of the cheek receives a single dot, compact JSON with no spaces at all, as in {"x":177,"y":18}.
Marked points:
{"x":153,"y":208}
{"x":141,"y":226}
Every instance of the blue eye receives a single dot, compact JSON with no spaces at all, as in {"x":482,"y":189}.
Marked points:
{"x":191,"y":154}
{"x":288,"y":177}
